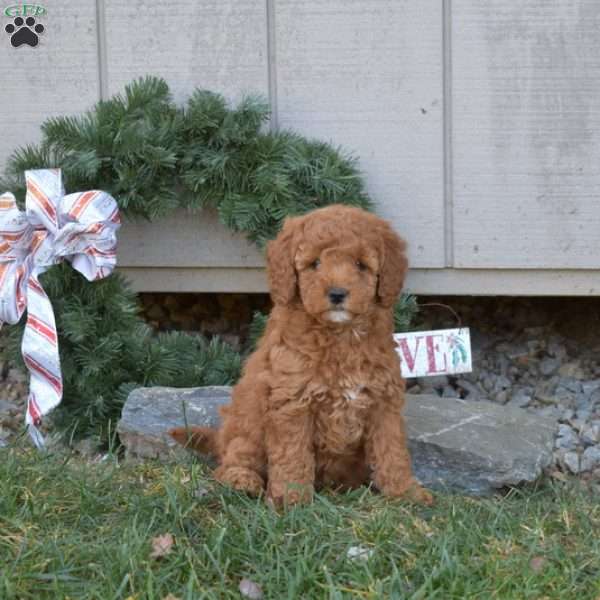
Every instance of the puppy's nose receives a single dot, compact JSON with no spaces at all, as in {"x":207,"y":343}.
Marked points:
{"x":337,"y":295}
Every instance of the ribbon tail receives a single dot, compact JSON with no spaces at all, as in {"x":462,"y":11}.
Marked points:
{"x":36,"y":436}
{"x":40,"y":352}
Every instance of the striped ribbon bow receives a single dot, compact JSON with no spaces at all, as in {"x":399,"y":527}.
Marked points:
{"x":80,"y":228}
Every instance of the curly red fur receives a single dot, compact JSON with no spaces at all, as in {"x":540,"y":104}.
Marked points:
{"x":320,"y":400}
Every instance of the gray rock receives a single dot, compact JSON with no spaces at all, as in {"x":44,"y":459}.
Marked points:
{"x":471,"y":447}
{"x":6,"y":407}
{"x":503,"y":365}
{"x":571,"y":369}
{"x":590,"y":434}
{"x":5,"y":435}
{"x":16,"y":375}
{"x":501,"y":397}
{"x":513,"y":352}
{"x":545,"y":399}
{"x":556,"y":348}
{"x":558,"y":458}
{"x":513,"y":371}
{"x":476,"y":447}
{"x":577,"y":424}
{"x":571,"y":459}
{"x":548,"y":366}
{"x":480,"y":340}
{"x":567,"y":438}
{"x":595,"y":397}
{"x":505,"y":347}
{"x":590,"y":459}
{"x":582,"y":402}
{"x":535,"y":347}
{"x":488,"y":383}
{"x":424,"y":389}
{"x":561,"y":396}
{"x":588,"y":387}
{"x":552,"y":412}
{"x":570,"y":384}
{"x":449,"y":392}
{"x":88,"y":447}
{"x":502,"y":383}
{"x":471,"y":389}
{"x":150,"y":412}
{"x":436,"y":382}
{"x":471,"y":377}
{"x":521,"y":398}
{"x":583,"y":414}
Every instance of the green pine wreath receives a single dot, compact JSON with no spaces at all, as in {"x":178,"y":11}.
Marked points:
{"x":154,"y":157}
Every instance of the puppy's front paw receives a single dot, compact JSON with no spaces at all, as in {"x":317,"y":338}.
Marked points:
{"x":419,"y":495}
{"x":413,"y":493}
{"x":281,"y":495}
{"x":241,"y":479}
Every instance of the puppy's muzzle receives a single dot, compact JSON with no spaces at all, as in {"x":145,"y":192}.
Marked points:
{"x":337,"y":295}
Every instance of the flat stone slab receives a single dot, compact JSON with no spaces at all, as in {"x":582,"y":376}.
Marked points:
{"x":456,"y":445}
{"x":149,"y":413}
{"x":476,"y":447}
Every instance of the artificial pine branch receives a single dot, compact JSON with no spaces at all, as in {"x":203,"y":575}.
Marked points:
{"x":154,"y":156}
{"x":405,"y":312}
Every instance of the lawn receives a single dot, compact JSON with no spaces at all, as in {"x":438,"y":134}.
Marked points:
{"x":71,"y":528}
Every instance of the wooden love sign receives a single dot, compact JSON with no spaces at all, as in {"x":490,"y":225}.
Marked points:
{"x":439,"y":352}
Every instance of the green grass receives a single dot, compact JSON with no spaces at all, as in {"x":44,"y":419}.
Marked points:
{"x":75,"y":529}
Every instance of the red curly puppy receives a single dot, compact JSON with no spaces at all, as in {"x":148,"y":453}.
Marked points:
{"x":320,"y":400}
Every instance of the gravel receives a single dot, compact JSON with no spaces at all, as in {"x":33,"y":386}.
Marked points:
{"x":540,"y":355}
{"x":13,"y":398}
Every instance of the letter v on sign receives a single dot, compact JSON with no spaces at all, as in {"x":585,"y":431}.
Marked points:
{"x":405,"y":353}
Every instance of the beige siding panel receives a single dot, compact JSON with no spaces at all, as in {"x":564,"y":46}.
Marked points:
{"x":368,"y":75}
{"x":57,"y":77}
{"x":219,"y":45}
{"x":185,"y":239}
{"x":526,"y":147}
{"x":431,"y":282}
{"x":204,"y":280}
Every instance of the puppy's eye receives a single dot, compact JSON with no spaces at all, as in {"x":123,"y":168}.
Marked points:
{"x":315,"y":264}
{"x":361,"y":265}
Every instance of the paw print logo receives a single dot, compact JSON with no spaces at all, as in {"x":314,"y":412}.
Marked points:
{"x":24,"y":31}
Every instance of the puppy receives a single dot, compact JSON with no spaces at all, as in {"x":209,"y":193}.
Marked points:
{"x":320,"y":400}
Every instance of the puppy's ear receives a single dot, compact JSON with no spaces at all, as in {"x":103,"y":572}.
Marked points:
{"x":280,"y":263}
{"x":395,"y":265}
